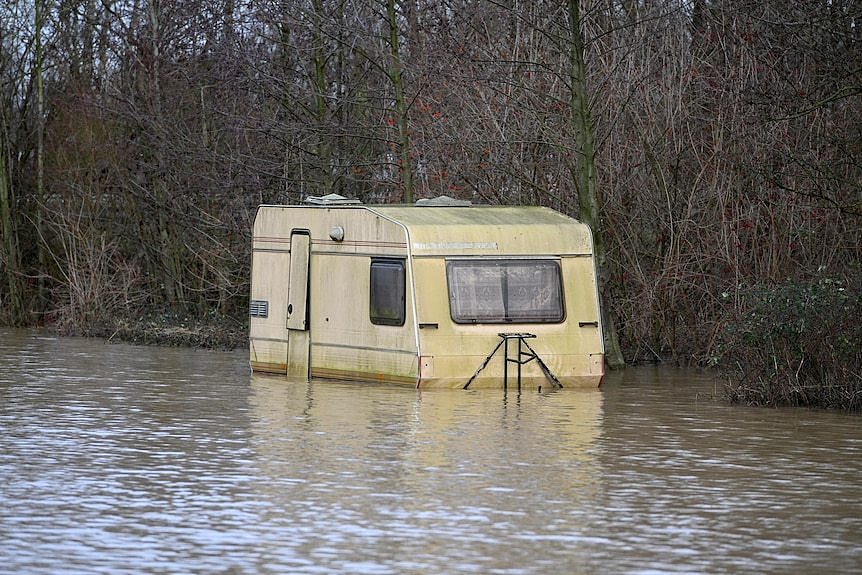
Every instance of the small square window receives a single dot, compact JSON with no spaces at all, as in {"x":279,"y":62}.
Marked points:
{"x":388,"y":293}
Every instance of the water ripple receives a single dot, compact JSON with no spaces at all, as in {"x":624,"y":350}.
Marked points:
{"x":121,"y":459}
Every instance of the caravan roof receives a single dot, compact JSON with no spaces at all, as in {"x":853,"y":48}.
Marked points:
{"x":503,"y":229}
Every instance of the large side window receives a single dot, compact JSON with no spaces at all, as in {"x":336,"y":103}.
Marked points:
{"x":387,"y":292}
{"x":505,"y":291}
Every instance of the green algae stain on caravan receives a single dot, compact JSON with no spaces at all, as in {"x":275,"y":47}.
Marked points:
{"x":420,"y":294}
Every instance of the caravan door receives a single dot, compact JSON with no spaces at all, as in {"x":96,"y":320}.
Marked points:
{"x":298,"y":338}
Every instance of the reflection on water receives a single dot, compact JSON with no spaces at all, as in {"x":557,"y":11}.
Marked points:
{"x":149,"y":460}
{"x":388,"y":479}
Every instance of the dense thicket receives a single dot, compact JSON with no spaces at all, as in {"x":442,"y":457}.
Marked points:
{"x":727,"y":141}
{"x":795,"y":343}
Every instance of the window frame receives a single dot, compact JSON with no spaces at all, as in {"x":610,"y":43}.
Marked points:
{"x":380,"y":319}
{"x":505,"y":319}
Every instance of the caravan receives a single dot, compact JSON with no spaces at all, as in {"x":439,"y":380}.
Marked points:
{"x":438,"y":294}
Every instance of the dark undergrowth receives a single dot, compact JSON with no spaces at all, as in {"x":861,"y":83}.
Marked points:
{"x":167,"y":327}
{"x":794,"y":344}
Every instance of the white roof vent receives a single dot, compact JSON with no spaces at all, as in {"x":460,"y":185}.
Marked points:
{"x":444,"y":201}
{"x":331,"y":200}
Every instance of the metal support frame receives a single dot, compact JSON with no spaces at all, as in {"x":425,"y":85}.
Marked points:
{"x":523,"y":357}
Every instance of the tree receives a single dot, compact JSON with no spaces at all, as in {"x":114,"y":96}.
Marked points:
{"x":584,"y":172}
{"x":39,"y":57}
{"x":15,"y":92}
{"x":400,"y":109}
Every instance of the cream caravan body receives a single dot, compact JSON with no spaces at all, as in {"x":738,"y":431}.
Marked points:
{"x":419,"y":295}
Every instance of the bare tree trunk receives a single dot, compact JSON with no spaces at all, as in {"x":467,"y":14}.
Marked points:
{"x":87,"y":37}
{"x":103,"y":45}
{"x":400,"y":104}
{"x":584,"y":173}
{"x":40,"y":153}
{"x":15,"y":299}
{"x":324,"y":155}
{"x":170,"y":264}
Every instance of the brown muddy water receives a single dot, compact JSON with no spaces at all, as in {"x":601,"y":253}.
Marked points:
{"x":123,"y":459}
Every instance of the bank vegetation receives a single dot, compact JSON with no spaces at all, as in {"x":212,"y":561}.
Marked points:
{"x":137,"y":138}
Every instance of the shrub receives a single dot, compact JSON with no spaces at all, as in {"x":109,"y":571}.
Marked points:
{"x":796,"y":343}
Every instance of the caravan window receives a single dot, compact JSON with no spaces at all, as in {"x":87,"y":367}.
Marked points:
{"x":505,"y":291}
{"x":387,"y":292}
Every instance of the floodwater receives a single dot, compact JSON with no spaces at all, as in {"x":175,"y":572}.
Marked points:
{"x":124,"y":459}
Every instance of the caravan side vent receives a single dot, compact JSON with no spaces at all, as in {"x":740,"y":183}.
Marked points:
{"x":258,"y":308}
